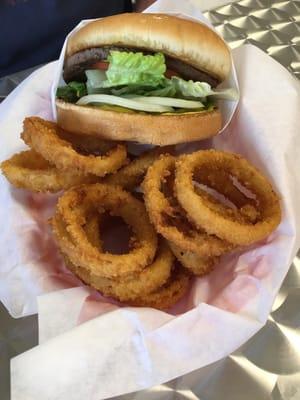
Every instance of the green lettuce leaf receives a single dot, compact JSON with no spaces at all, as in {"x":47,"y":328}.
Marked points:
{"x":71,"y":92}
{"x":174,"y":87}
{"x":134,"y":70}
{"x":163,"y":90}
{"x":181,"y":88}
{"x":126,"y":68}
{"x":190,"y":88}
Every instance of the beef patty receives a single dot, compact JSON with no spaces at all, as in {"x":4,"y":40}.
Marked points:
{"x":76,"y":64}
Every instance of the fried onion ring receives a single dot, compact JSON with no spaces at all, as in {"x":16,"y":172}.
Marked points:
{"x":131,"y":176}
{"x":199,"y":266}
{"x":170,"y":220}
{"x":71,"y":216}
{"x":92,"y":230}
{"x":215,"y":217}
{"x":47,"y":139}
{"x":147,"y":281}
{"x":167,"y":295}
{"x":29,"y":170}
{"x":135,"y":287}
{"x":221,"y":182}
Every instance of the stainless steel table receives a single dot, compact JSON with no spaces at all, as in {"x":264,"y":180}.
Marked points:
{"x":268,"y":365}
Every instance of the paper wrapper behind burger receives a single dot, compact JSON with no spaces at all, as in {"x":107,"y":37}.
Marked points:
{"x":127,"y":31}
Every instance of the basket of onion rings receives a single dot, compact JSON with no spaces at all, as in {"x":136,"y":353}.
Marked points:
{"x":192,"y":210}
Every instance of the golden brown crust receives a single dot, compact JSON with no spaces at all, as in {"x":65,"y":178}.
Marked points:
{"x":160,"y":130}
{"x":44,"y":137}
{"x":191,"y":42}
{"x":29,"y":170}
{"x":167,"y":295}
{"x":196,"y":264}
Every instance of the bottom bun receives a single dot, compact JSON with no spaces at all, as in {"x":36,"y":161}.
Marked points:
{"x":160,"y":130}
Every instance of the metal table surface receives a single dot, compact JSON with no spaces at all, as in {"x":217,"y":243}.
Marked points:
{"x":268,"y":365}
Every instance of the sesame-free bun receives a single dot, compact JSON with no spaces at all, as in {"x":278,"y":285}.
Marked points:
{"x":191,"y":42}
{"x":160,"y":130}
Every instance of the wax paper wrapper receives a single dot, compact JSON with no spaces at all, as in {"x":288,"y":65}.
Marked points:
{"x":93,"y":348}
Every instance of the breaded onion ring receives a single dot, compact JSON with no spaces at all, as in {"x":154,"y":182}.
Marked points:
{"x":155,"y":286}
{"x":222,"y":183}
{"x":150,"y":279}
{"x":92,"y":230}
{"x":197,"y":265}
{"x":47,"y":139}
{"x":131,"y":176}
{"x":71,"y":215}
{"x":217,"y":218}
{"x":167,"y":295}
{"x":170,"y":220}
{"x":29,"y":170}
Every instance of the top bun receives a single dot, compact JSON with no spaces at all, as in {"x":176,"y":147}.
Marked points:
{"x":191,"y":42}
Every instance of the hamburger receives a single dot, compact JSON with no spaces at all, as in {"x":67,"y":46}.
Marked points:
{"x":148,"y":78}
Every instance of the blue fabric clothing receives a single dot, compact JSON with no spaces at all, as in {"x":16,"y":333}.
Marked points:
{"x":32,"y":31}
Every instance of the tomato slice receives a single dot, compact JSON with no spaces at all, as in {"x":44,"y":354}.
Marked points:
{"x":103,"y":65}
{"x":169,"y":73}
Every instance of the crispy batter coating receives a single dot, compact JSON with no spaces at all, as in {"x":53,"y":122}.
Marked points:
{"x":150,"y":279}
{"x":68,"y":151}
{"x":71,"y":213}
{"x":167,"y":295}
{"x":170,"y":220}
{"x":131,"y":176}
{"x":197,"y":265}
{"x":241,"y":226}
{"x":160,"y":284}
{"x":29,"y":170}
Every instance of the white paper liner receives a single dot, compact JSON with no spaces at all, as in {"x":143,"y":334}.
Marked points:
{"x":240,"y":293}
